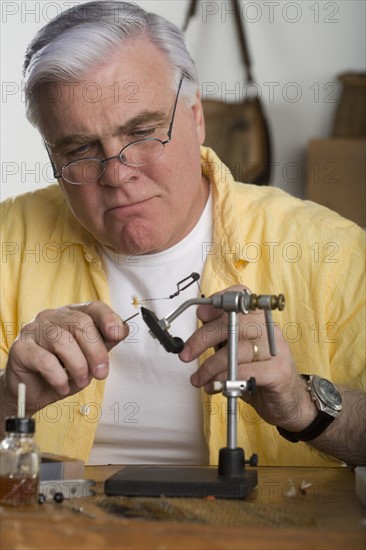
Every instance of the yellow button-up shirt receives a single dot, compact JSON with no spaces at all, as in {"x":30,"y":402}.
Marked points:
{"x":263,"y":238}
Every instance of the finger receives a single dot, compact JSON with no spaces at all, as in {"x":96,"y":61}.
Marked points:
{"x":97,"y":329}
{"x":215,"y":365}
{"x":76,"y":342}
{"x":252,"y":351}
{"x":209,"y":335}
{"x":207,"y":313}
{"x":249,"y":352}
{"x":70,"y":352}
{"x":110,"y":325}
{"x":32,"y":359}
{"x":73,"y":334}
{"x":214,"y":329}
{"x":213,"y":333}
{"x":266,"y":373}
{"x":73,"y":339}
{"x":269,"y":373}
{"x":199,"y":342}
{"x":259,"y":373}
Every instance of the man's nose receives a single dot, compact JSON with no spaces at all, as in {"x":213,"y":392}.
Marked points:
{"x":116,"y":172}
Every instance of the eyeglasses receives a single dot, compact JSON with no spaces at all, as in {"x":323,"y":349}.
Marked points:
{"x":137,"y":153}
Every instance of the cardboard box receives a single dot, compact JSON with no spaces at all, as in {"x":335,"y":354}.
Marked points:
{"x":336,"y":176}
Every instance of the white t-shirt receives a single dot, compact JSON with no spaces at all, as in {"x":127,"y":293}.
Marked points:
{"x":151,"y":412}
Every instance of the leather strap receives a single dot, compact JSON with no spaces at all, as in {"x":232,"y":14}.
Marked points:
{"x":240,"y":30}
{"x":317,"y":427}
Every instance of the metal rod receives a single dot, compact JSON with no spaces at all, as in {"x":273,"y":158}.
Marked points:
{"x":270,"y":332}
{"x":174,"y":314}
{"x":232,"y":375}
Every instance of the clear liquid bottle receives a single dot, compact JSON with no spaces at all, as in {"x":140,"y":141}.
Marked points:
{"x":19,"y":463}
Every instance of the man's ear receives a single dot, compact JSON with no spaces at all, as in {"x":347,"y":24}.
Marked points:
{"x":198,"y":115}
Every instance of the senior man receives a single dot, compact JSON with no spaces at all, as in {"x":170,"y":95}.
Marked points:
{"x":140,"y":204}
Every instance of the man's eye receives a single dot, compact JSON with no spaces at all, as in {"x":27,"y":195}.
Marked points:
{"x":80,"y":151}
{"x":146,"y":132}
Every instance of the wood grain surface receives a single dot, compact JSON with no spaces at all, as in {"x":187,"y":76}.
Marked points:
{"x":277,"y":515}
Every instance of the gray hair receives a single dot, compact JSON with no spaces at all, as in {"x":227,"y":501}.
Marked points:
{"x":85,"y":35}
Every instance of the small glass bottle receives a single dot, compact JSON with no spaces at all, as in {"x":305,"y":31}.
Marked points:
{"x":19,"y":463}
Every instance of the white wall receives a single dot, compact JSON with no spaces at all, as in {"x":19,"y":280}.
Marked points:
{"x":298,"y":49}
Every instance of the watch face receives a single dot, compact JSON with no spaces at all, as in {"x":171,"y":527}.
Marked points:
{"x":328,"y":392}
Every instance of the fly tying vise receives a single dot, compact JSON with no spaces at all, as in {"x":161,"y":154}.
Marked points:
{"x":231,"y":479}
{"x":232,"y":302}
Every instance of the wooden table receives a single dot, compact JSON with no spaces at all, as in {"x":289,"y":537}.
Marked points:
{"x":338,"y":519}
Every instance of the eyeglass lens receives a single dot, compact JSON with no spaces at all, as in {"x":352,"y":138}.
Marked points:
{"x":137,"y":153}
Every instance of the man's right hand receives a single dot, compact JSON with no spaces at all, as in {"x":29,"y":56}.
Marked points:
{"x":60,"y":351}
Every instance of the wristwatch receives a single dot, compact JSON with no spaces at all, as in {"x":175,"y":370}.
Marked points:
{"x":328,"y":401}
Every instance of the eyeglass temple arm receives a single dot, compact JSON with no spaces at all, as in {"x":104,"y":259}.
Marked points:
{"x":55,"y":174}
{"x":174,"y":109}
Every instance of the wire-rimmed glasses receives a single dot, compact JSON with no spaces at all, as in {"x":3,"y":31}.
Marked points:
{"x":137,"y":153}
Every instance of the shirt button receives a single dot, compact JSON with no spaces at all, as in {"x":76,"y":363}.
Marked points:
{"x":84,"y":410}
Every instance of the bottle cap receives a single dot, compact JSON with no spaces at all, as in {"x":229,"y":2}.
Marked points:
{"x":19,"y":425}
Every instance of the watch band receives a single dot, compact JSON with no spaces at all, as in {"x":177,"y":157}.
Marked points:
{"x":316,"y":428}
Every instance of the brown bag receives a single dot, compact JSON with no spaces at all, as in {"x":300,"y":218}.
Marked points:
{"x":238,"y":132}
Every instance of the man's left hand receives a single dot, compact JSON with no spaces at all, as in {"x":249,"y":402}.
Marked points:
{"x":280,"y":397}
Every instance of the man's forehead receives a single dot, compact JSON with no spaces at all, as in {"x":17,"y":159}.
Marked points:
{"x":87,"y":110}
{"x":146,"y":117}
{"x":137,"y":77}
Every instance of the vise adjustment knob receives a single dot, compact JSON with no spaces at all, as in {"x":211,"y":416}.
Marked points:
{"x":253,"y":461}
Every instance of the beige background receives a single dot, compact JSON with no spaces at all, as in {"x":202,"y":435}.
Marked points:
{"x":298,"y":49}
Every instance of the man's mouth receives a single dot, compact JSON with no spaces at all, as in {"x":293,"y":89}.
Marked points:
{"x":129,"y":205}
